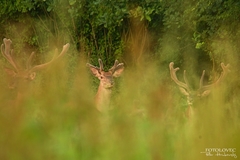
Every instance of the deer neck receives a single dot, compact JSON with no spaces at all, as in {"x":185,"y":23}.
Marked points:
{"x":22,"y":92}
{"x":189,"y":112}
{"x":102,"y":98}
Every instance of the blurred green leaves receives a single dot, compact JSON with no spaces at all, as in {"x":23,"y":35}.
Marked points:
{"x":61,"y":123}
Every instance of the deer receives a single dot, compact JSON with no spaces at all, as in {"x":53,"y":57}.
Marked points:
{"x":202,"y":91}
{"x":20,"y":76}
{"x":102,"y":98}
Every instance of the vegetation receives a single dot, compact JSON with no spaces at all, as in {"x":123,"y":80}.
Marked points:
{"x":56,"y":117}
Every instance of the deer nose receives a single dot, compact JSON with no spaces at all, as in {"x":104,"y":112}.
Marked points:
{"x":190,"y":100}
{"x":112,"y":82}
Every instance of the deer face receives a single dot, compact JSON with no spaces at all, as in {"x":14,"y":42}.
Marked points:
{"x":193,"y":95}
{"x":23,"y":76}
{"x":102,"y":98}
{"x":107,"y":78}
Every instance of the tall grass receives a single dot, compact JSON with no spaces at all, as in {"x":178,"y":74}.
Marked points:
{"x":56,"y":118}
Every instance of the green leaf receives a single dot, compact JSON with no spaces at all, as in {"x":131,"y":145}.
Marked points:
{"x":49,"y":8}
{"x":199,"y":45}
{"x":72,"y":2}
{"x":148,"y":18}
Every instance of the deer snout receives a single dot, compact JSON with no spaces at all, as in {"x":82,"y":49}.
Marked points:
{"x":190,"y":100}
{"x":109,"y":84}
{"x":112,"y":82}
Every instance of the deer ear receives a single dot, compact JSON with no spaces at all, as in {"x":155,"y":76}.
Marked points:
{"x":10,"y":72}
{"x":184,"y":91}
{"x":118,"y":71}
{"x":205,"y":93}
{"x":95,"y":71}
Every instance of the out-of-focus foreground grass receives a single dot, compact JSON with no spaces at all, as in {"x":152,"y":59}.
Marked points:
{"x":55,"y":117}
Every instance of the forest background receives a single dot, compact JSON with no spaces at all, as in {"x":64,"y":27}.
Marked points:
{"x":146,"y":35}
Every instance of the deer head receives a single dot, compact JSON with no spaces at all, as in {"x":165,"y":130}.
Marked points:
{"x":106,"y":82}
{"x":29,"y":73}
{"x":106,"y":78}
{"x":202,"y":91}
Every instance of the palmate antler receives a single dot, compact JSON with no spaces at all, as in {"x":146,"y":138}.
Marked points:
{"x":17,"y":72}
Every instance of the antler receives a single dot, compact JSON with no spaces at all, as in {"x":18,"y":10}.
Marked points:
{"x":174,"y":77}
{"x":100,"y":64}
{"x":223,"y":74}
{"x":28,"y":65}
{"x":7,"y":53}
{"x":116,"y":66}
{"x":41,"y":66}
{"x":201,"y":86}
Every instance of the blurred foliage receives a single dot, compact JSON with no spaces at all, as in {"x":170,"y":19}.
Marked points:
{"x":57,"y":119}
{"x":100,"y":28}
